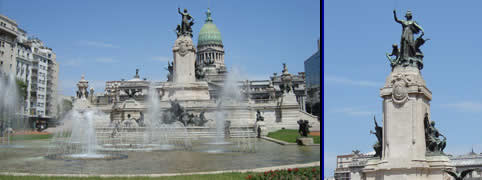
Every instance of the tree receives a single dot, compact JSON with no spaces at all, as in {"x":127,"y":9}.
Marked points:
{"x":22,"y":90}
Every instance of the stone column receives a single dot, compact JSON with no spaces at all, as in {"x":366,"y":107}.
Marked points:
{"x":184,"y":57}
{"x":405,"y":102}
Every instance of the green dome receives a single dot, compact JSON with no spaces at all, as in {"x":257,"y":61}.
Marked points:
{"x":209,"y":33}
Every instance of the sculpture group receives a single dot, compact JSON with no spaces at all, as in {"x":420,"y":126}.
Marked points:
{"x":177,"y":113}
{"x":185,"y":27}
{"x":432,"y":137}
{"x":378,"y":133}
{"x":409,"y":53}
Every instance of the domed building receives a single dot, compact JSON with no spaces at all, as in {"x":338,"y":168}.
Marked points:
{"x":210,"y":49}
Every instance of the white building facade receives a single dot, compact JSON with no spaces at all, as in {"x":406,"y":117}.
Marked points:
{"x":33,"y":63}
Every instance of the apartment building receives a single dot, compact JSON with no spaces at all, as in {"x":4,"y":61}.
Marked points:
{"x":29,"y":60}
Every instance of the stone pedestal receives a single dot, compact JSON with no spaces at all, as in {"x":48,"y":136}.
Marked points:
{"x":405,"y":102}
{"x":184,"y":85}
{"x":184,"y":59}
{"x":260,"y":128}
{"x":304,"y":141}
{"x":184,"y":91}
{"x":289,"y":99}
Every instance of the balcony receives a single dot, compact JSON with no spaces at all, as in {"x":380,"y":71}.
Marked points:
{"x":8,"y":30}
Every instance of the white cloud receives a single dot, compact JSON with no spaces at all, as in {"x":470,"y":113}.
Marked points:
{"x":343,"y":80}
{"x":161,"y":58}
{"x":353,"y":111}
{"x":465,"y":106}
{"x":97,"y":44}
{"x":105,"y":60}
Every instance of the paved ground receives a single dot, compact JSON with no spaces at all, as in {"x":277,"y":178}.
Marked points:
{"x":170,"y":174}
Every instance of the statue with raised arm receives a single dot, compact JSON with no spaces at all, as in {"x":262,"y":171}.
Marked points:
{"x":185,"y":27}
{"x":378,"y":133}
{"x":409,"y":53}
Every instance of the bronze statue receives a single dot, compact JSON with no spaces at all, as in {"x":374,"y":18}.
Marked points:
{"x":170,"y":70}
{"x":199,"y":71}
{"x":433,"y":142}
{"x":409,"y":53}
{"x":409,"y":28}
{"x":378,"y":133}
{"x":459,"y":176}
{"x":396,"y":53}
{"x":304,"y":127}
{"x":185,"y":27}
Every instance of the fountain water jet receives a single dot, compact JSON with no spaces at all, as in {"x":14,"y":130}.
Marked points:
{"x":8,"y":107}
{"x":230,"y":96}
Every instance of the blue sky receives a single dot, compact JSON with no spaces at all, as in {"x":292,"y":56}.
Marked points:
{"x":357,"y":34}
{"x":109,"y":39}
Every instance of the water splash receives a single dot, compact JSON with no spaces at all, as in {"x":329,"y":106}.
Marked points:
{"x":9,"y":106}
{"x":230,"y":96}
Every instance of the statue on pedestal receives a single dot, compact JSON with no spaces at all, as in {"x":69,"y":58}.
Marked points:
{"x":432,"y":137}
{"x":170,"y":69}
{"x":459,"y":176}
{"x":378,"y":145}
{"x":185,"y":27}
{"x":304,"y":127}
{"x":199,"y":72}
{"x":409,"y":53}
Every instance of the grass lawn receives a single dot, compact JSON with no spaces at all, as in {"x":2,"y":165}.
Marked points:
{"x":30,"y":137}
{"x":290,"y":135}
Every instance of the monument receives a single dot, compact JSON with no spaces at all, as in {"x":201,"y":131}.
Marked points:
{"x":410,"y":144}
{"x":184,"y":85}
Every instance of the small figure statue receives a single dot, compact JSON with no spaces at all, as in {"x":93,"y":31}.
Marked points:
{"x":199,"y":72}
{"x":227,"y":126}
{"x":432,"y":137}
{"x":304,"y":126}
{"x":140,"y":121}
{"x":137,"y":74}
{"x":378,"y":145}
{"x":458,"y":176}
{"x":201,"y":120}
{"x":170,"y":69}
{"x":258,"y":116}
{"x":396,"y":53}
{"x":92,"y":94}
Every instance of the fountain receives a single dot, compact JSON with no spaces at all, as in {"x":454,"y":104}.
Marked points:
{"x":161,"y":127}
{"x":8,"y":107}
{"x":76,"y":138}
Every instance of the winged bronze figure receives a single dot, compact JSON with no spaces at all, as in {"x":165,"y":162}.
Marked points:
{"x":459,"y":176}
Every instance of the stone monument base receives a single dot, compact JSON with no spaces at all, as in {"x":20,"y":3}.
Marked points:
{"x":304,"y":141}
{"x":184,"y":91}
{"x":429,"y":169}
{"x":289,"y":99}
